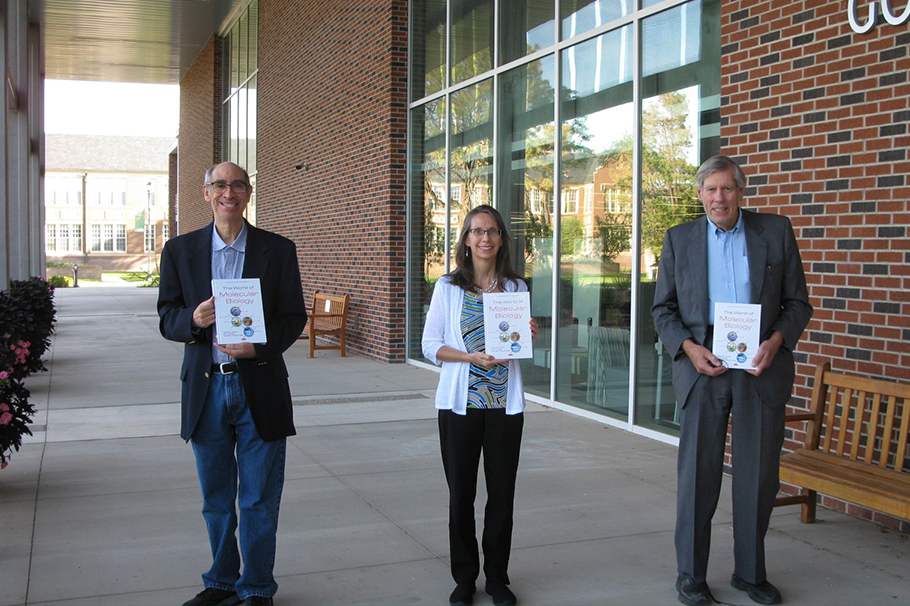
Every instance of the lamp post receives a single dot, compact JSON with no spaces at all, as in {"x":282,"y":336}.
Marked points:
{"x":145,"y":236}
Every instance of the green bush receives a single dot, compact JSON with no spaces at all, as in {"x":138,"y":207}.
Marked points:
{"x":58,"y":281}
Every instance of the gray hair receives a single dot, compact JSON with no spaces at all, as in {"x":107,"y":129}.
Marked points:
{"x":211,"y":169}
{"x":718,"y":163}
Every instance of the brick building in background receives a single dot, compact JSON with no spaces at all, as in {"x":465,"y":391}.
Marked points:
{"x":99,"y":192}
{"x":357,"y":123}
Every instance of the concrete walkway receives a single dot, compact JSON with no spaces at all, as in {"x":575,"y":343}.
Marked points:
{"x":102,"y":505}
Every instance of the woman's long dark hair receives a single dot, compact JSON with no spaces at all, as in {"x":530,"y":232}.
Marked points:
{"x":463,"y":274}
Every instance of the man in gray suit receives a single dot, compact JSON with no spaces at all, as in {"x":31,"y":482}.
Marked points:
{"x":730,"y":256}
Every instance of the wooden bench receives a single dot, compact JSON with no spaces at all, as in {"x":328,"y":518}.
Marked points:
{"x":327,"y":318}
{"x":856,"y":445}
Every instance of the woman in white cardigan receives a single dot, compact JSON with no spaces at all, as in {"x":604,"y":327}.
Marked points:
{"x":480,"y":401}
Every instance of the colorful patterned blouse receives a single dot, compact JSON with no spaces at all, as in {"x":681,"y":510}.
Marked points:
{"x":487,"y":387}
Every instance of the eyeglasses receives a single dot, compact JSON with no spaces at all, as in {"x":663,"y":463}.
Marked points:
{"x":493,"y":232}
{"x":238,"y":187}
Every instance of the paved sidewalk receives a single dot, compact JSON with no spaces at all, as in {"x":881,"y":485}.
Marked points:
{"x":102,"y":505}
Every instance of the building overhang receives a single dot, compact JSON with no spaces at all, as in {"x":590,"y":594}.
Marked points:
{"x":147,"y":41}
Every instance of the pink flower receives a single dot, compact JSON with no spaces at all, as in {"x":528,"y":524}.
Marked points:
{"x":4,"y":407}
{"x":3,"y":374}
{"x":5,"y":418}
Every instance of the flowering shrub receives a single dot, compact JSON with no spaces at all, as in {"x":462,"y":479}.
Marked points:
{"x":27,"y":318}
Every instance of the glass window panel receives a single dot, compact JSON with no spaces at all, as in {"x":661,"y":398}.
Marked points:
{"x":253,"y":45}
{"x":598,"y":65}
{"x":428,"y":212}
{"x":50,"y":237}
{"x":472,"y":38}
{"x":471,"y":159}
{"x":525,"y":27}
{"x":428,"y":47}
{"x":526,"y":147}
{"x":671,"y":39}
{"x":680,"y":130}
{"x":234,"y":42}
{"x":243,"y":38}
{"x":95,"y":238}
{"x":593,"y":320}
{"x":241,"y":126}
{"x":579,"y":16}
{"x":252,"y":118}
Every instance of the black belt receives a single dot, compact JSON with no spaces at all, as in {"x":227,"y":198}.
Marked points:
{"x":226,"y":368}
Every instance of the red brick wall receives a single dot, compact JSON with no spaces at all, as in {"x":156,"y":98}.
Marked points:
{"x":200,"y":136}
{"x":333,"y":95}
{"x":818,"y":115}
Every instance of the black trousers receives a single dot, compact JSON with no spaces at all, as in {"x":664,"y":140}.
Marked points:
{"x":462,"y":439}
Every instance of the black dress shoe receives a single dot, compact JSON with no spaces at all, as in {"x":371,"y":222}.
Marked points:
{"x":692,"y":593}
{"x":763,"y":593}
{"x":501,"y":594}
{"x":463,"y":595}
{"x":214,"y":597}
{"x":258,"y":600}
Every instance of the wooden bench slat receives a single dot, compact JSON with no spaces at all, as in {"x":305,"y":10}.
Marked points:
{"x":886,"y":433}
{"x":829,"y":420}
{"x":859,"y":416}
{"x":873,"y":426}
{"x":900,"y":460}
{"x":846,"y":404}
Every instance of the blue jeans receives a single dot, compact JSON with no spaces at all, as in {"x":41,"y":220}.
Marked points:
{"x":225,"y":428}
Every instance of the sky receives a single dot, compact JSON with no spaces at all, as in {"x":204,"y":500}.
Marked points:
{"x":73,"y":107}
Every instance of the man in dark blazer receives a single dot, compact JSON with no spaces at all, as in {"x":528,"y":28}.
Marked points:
{"x":730,"y":256}
{"x":236,"y":402}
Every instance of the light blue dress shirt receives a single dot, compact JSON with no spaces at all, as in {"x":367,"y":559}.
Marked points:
{"x":728,"y":266}
{"x":227,"y":264}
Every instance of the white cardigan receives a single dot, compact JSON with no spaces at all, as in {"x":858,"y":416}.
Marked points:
{"x":443,"y":328}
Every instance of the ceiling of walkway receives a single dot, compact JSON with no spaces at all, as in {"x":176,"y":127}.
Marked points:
{"x":149,"y":41}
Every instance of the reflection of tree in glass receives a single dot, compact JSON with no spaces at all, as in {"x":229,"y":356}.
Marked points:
{"x":668,"y":180}
{"x":614,"y":232}
{"x":471,"y":162}
{"x":571,"y":237}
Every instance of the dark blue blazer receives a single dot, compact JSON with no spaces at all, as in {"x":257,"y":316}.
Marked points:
{"x":186,"y":281}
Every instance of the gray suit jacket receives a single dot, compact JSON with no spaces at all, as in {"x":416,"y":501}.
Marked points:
{"x":778,"y":283}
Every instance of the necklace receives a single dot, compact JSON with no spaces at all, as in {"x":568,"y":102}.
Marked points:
{"x":489,"y":288}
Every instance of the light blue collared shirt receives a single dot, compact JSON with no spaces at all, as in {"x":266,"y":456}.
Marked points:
{"x":728,"y":266}
{"x":227,"y":264}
